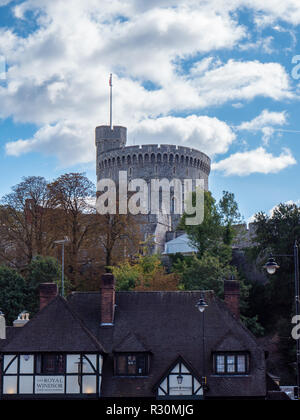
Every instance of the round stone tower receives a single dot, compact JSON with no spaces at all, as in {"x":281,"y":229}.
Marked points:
{"x":148,"y":162}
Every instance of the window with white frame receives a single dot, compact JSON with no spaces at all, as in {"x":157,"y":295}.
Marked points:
{"x":231,"y":363}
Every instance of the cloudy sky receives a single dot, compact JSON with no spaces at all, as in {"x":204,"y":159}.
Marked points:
{"x":219,"y":75}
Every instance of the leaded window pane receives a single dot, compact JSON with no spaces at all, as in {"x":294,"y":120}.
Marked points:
{"x":220,"y":364}
{"x":230,"y":364}
{"x":241,"y":363}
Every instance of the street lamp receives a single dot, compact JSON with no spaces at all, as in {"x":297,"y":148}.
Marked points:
{"x":271,"y":266}
{"x":202,"y":305}
{"x":62,"y":242}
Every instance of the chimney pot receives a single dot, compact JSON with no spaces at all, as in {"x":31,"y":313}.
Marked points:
{"x":22,"y":319}
{"x":48,"y":291}
{"x":232,"y":296}
{"x":107,"y":299}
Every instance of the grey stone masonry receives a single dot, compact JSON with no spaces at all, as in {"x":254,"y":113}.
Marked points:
{"x":148,"y":162}
{"x":109,"y":139}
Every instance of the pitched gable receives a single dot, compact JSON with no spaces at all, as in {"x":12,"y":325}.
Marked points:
{"x":180,"y":379}
{"x":54,"y":329}
{"x":130,"y":343}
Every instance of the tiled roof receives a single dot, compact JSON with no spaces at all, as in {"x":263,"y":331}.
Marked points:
{"x":169,"y":324}
{"x":55,"y":328}
{"x":130,"y":343}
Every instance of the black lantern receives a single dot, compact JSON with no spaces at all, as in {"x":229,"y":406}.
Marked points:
{"x":179,"y":379}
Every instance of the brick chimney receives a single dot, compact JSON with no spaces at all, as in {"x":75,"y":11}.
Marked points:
{"x":48,"y":291}
{"x":232,"y":296}
{"x":107,"y":299}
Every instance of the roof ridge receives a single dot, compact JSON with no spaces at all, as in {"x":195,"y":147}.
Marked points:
{"x":83,"y":293}
{"x":135,"y":336}
{"x":83,"y":326}
{"x":58,"y":299}
{"x":33,"y":319}
{"x":165,"y":291}
{"x":239,"y":322}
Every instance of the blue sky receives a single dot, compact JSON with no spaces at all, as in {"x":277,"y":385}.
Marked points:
{"x":215,"y":75}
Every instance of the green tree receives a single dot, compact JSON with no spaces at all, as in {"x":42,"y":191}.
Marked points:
{"x":43,"y":270}
{"x":277,"y":234}
{"x":205,"y":273}
{"x":14,"y":294}
{"x":216,"y":227}
{"x":213,"y":263}
{"x":205,"y":235}
{"x":230,"y":215}
{"x":126,"y":275}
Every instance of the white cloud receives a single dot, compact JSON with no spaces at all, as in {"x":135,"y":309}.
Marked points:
{"x":265,"y":122}
{"x":264,"y":119}
{"x":61,"y":140}
{"x":207,"y":134}
{"x":238,"y":105}
{"x":242,"y":80}
{"x":264,"y":44}
{"x":254,"y":161}
{"x":58,"y":75}
{"x":4,"y":2}
{"x":269,"y":11}
{"x":66,"y":141}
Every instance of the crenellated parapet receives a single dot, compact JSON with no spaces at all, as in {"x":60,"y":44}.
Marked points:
{"x":153,"y":154}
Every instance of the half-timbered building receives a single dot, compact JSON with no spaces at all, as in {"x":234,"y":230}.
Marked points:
{"x":132,"y":344}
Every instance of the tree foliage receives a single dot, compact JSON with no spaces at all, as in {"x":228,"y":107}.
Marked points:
{"x":205,"y":273}
{"x":213,"y":263}
{"x":146,"y":273}
{"x":15,"y":296}
{"x":23,"y":221}
{"x":37,"y":213}
{"x":277,"y":234}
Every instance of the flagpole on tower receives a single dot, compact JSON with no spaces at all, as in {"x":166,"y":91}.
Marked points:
{"x":110,"y":84}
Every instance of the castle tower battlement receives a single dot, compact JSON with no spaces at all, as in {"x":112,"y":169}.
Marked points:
{"x":147,"y":162}
{"x":108,"y":138}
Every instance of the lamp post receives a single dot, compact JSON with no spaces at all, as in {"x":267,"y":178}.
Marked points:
{"x":62,"y":242}
{"x":271,"y":266}
{"x":202,"y":305}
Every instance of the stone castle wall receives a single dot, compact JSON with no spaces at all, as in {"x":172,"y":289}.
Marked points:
{"x":148,"y":162}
